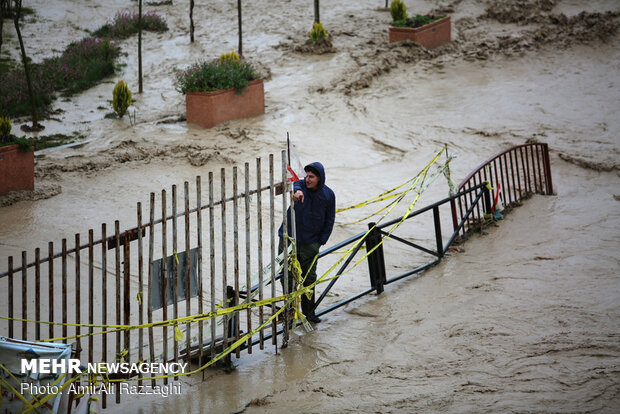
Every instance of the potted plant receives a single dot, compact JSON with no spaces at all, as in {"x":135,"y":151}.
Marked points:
{"x":429,"y":31}
{"x":16,"y":160}
{"x":221,"y":90}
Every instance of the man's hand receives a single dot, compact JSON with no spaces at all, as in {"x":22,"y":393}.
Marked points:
{"x":298,"y":196}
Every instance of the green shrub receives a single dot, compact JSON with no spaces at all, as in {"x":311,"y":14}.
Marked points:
{"x":213,"y":76}
{"x":5,"y":126}
{"x":417,"y":21}
{"x":121,"y":98}
{"x":318,"y":32}
{"x":25,"y":144}
{"x":81,"y":65}
{"x":125,"y":24}
{"x":398,"y":10}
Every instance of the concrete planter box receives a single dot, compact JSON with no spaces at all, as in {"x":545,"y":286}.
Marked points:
{"x":208,"y":109}
{"x":429,"y":36}
{"x":16,"y":169}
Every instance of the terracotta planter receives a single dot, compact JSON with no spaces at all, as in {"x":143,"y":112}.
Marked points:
{"x":16,"y":169}
{"x":208,"y":109}
{"x":430,"y":36}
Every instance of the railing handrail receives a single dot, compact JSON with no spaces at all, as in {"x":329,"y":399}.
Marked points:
{"x":496,"y":156}
{"x":396,"y":220}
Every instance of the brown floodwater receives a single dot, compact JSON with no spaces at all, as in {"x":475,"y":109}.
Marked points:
{"x":522,"y":318}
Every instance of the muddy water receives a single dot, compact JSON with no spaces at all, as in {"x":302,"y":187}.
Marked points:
{"x":523,"y":318}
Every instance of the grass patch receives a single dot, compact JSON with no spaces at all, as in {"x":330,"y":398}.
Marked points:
{"x":43,"y":141}
{"x":125,"y":24}
{"x":55,"y":140}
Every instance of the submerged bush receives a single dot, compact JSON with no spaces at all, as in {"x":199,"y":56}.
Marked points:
{"x":79,"y":67}
{"x":318,"y":32}
{"x":398,"y":10}
{"x":121,"y":98}
{"x":215,"y":75}
{"x":82,"y":64}
{"x":125,"y":24}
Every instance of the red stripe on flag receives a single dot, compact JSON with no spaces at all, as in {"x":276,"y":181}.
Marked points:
{"x":294,"y":176}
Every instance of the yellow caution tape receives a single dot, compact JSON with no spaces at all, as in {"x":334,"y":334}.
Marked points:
{"x":178,"y":335}
{"x":289,"y":298}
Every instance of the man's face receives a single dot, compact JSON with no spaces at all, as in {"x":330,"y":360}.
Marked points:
{"x":312,"y":180}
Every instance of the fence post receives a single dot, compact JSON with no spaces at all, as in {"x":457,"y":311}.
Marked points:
{"x":487,"y":198}
{"x":547,"y":167}
{"x":233,"y":323}
{"x":455,"y":221}
{"x":438,"y":237}
{"x":126,"y":295}
{"x":376,"y":262}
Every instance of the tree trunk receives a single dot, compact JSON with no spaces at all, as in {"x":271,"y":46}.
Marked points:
{"x":1,"y":23}
{"x":5,"y":7}
{"x":240,"y":32}
{"x":16,"y":13}
{"x":317,"y":18}
{"x":191,"y":21}
{"x":139,"y":46}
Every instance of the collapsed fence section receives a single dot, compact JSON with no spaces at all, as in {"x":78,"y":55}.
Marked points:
{"x":376,"y":238}
{"x":372,"y":245}
{"x":513,"y":174}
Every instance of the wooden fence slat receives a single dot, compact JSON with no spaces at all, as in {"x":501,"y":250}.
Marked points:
{"x":37,"y":293}
{"x":259,"y":243}
{"x":164,"y":279}
{"x":175,"y":272}
{"x":188,"y":332}
{"x":236,"y":319}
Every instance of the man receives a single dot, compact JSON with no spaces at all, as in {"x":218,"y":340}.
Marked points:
{"x":315,"y":211}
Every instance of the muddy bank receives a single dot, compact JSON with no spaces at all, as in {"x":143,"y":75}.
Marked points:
{"x":477,"y":38}
{"x":482,"y":31}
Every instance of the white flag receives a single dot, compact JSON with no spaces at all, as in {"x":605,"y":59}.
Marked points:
{"x":295,"y":169}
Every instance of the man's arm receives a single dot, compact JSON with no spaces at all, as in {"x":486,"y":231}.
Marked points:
{"x":330,"y":217}
{"x":298,"y":194}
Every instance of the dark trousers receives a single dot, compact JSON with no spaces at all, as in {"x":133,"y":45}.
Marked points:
{"x":305,"y":254}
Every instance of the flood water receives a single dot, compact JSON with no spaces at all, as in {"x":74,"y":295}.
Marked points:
{"x":522,"y":318}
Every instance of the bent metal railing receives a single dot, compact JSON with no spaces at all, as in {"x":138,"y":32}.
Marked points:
{"x":373,"y":241}
{"x":519,"y":172}
{"x":513,"y":174}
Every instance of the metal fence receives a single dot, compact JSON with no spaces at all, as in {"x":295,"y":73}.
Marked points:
{"x":513,"y":174}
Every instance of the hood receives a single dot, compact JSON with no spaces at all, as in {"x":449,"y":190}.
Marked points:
{"x":321,"y":170}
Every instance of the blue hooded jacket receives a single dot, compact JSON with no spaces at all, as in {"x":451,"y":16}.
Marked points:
{"x":314,"y":218}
